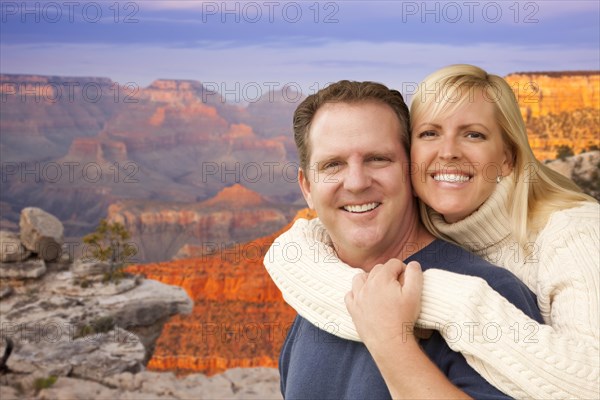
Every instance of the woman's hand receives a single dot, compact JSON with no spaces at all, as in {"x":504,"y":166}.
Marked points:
{"x":386,"y":302}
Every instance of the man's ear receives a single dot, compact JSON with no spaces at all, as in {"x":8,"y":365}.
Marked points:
{"x":304,"y":183}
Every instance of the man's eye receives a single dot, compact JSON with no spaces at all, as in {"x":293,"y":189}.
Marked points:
{"x":379,"y":159}
{"x":331,"y":165}
{"x":475,"y":135}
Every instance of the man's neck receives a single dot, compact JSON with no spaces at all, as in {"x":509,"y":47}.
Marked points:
{"x":414,"y":240}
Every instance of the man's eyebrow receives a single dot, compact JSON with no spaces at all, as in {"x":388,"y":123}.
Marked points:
{"x":327,"y":158}
{"x":386,"y":154}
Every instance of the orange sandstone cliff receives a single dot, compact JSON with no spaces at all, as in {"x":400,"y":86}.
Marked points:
{"x":239,"y":317}
{"x":560,"y":109}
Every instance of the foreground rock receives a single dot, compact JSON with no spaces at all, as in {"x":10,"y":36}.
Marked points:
{"x":77,"y":331}
{"x":246,"y":383}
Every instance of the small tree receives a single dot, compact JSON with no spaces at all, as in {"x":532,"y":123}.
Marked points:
{"x":564,"y":151}
{"x":110,"y":244}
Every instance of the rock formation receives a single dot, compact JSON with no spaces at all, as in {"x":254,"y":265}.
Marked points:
{"x":583,"y":169}
{"x":559,"y":108}
{"x":41,"y":115}
{"x":67,"y":331}
{"x":239,"y":317}
{"x":234,"y":215}
{"x":74,"y":146}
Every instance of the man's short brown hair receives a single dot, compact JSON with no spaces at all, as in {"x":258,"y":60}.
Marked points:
{"x":350,"y":92}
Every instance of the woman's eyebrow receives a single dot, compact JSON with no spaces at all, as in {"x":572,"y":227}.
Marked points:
{"x":474,"y":124}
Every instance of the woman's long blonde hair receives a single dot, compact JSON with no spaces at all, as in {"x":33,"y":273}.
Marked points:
{"x":538,"y":190}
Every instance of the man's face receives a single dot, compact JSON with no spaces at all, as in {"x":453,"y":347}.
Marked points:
{"x":358,"y":180}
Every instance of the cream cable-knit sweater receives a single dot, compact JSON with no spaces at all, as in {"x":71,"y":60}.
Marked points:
{"x":514,"y":353}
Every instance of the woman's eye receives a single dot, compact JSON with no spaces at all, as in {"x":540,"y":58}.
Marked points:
{"x":427,"y":134}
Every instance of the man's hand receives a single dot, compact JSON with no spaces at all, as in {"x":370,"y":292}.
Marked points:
{"x":386,"y":302}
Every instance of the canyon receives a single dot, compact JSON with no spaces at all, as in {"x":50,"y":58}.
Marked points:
{"x":208,"y":185}
{"x":164,"y":230}
{"x":559,"y":109}
{"x":239,"y":318}
{"x":78,"y":145}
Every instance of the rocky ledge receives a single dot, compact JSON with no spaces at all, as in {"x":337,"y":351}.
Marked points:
{"x":68,"y":332}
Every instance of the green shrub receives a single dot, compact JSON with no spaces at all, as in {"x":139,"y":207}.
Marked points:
{"x":44,"y":383}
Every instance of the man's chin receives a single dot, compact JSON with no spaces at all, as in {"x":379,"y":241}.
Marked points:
{"x":359,"y":239}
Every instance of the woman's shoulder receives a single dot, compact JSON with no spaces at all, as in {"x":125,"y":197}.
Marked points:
{"x":586,"y":212}
{"x":582,"y":218}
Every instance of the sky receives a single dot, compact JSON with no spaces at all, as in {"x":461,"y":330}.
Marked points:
{"x":244,"y":48}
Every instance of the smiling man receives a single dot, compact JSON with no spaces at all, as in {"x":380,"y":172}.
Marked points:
{"x":357,"y":182}
{"x":352,"y":140}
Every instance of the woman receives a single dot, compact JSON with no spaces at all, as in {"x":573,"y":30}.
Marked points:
{"x":480,"y":186}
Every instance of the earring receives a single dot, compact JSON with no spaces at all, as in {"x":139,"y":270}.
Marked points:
{"x":499,"y":178}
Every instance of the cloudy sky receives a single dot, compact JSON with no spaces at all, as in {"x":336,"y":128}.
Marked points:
{"x":248,"y":46}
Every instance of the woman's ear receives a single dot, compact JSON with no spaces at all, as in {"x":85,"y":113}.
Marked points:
{"x":508,"y":164}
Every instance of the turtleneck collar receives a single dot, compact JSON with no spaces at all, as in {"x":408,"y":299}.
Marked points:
{"x":487,"y":226}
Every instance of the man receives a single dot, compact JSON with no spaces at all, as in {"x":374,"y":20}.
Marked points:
{"x":352,"y":139}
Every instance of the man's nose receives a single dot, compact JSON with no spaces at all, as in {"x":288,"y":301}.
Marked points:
{"x":357,"y":178}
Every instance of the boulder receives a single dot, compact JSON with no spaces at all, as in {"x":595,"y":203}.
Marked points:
{"x":11,"y":248}
{"x":90,"y":357}
{"x":41,"y":233}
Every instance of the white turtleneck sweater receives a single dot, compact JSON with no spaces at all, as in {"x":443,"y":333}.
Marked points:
{"x":516,"y":354}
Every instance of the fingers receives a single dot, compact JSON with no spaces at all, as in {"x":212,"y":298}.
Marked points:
{"x":405,"y":277}
{"x":349,"y":300}
{"x":390,"y":271}
{"x":413,"y":279}
{"x":358,"y":281}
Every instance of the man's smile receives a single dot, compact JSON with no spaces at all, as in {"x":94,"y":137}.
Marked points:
{"x":361,"y":208}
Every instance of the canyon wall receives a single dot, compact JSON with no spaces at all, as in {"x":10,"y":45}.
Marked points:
{"x":239,"y":317}
{"x":173,"y":141}
{"x":560,"y":109}
{"x":76,"y":145}
{"x":160,"y":230}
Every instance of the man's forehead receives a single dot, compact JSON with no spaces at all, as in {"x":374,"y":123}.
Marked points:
{"x":332,"y":119}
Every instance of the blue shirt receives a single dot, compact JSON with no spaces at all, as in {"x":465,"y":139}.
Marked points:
{"x":315,"y":364}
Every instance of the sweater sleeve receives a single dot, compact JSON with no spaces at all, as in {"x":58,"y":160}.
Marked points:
{"x":510,"y":350}
{"x":311,"y":278}
{"x":558,"y":360}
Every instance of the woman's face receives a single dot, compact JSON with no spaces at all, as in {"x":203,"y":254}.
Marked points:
{"x":458,"y":157}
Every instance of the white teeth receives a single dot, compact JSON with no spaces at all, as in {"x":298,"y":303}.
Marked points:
{"x":361,"y":208}
{"x":453,"y":178}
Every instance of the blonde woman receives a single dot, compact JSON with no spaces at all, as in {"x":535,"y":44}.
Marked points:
{"x":480,"y":186}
